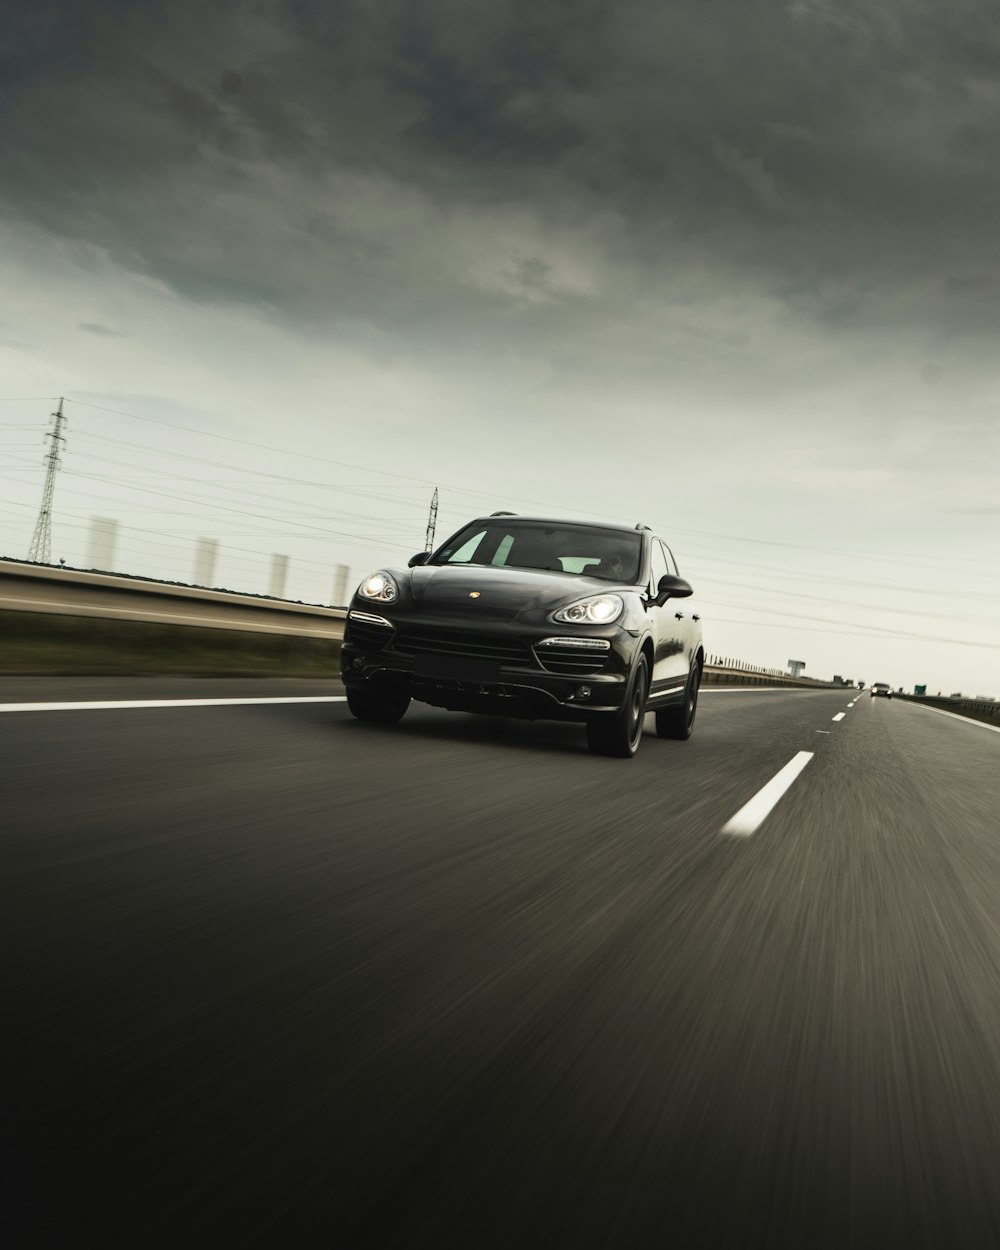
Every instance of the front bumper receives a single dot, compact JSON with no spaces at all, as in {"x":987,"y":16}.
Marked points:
{"x":410,"y":653}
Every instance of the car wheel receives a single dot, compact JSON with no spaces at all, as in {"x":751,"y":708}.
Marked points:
{"x":384,"y":706}
{"x":620,"y":733}
{"x":678,"y":721}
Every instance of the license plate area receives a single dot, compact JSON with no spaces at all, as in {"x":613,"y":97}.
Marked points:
{"x":456,"y":668}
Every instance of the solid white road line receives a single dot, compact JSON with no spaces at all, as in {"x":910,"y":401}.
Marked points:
{"x":752,"y":815}
{"x":840,"y":716}
{"x":753,"y":689}
{"x":955,"y":716}
{"x":132,"y":703}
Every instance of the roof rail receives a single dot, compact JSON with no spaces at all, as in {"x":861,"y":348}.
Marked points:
{"x":639,"y":526}
{"x":503,"y":514}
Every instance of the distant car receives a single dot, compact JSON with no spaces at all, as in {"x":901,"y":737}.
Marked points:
{"x":883,"y":689}
{"x":530,"y":617}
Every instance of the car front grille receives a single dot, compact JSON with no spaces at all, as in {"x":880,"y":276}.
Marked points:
{"x":368,"y":635}
{"x":572,"y":661}
{"x":493,"y":647}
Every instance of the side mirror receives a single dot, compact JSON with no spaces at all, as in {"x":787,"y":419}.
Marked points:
{"x":670,"y":587}
{"x":420,"y":558}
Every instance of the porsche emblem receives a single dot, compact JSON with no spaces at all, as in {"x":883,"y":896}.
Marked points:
{"x":474,"y":594}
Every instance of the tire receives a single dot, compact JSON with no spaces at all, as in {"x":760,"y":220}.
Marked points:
{"x":386,"y":707}
{"x":678,"y":721}
{"x":619,"y":734}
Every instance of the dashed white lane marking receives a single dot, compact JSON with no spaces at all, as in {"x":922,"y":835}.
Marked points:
{"x":822,"y":731}
{"x":752,"y":815}
{"x":955,"y":716}
{"x":111,"y":705}
{"x":840,"y":716}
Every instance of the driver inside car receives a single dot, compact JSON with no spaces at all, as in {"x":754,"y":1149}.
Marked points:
{"x":613,"y":568}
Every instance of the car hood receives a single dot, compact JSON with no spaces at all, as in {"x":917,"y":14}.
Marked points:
{"x":498,"y":592}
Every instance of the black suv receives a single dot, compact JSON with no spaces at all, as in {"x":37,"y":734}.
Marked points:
{"x":523,"y":616}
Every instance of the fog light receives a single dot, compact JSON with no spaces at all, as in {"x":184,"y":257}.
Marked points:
{"x":583,"y":692}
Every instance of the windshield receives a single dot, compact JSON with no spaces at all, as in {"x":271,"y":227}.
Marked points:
{"x":612,"y":555}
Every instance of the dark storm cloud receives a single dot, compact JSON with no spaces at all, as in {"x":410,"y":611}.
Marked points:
{"x":423,"y":167}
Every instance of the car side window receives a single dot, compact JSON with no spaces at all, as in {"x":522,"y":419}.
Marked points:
{"x":465,"y":553}
{"x":503,"y":549}
{"x":658,"y":567}
{"x":671,"y":562}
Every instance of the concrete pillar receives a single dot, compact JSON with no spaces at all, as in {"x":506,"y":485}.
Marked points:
{"x":204,"y":561}
{"x":279,"y":575}
{"x":101,"y":543}
{"x":341,"y":582}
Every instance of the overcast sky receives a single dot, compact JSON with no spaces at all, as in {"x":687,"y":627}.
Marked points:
{"x":729,"y":269}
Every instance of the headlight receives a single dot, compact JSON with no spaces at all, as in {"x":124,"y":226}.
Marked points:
{"x":381,"y":587}
{"x":599,"y":610}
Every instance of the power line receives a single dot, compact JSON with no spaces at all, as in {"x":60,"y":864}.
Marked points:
{"x":863,"y":629}
{"x":385,"y":542}
{"x":802,"y":574}
{"x":805,"y":629}
{"x":227,"y":547}
{"x":284,"y":451}
{"x":246,"y":442}
{"x":320,"y":513}
{"x":222,"y":464}
{"x":463,"y":490}
{"x":317,"y":510}
{"x":839,"y":552}
{"x":380,"y":543}
{"x":221,"y":507}
{"x":874,"y":607}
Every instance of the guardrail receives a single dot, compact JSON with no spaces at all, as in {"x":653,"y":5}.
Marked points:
{"x":977,"y":709}
{"x":717,"y":675}
{"x":741,"y":666}
{"x":35,"y":588}
{"x":721,"y":670}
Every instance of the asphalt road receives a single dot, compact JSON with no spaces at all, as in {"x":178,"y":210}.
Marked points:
{"x":276,"y":978}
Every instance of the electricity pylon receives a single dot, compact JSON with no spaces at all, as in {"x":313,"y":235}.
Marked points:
{"x":432,"y":518}
{"x":41,"y":542}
